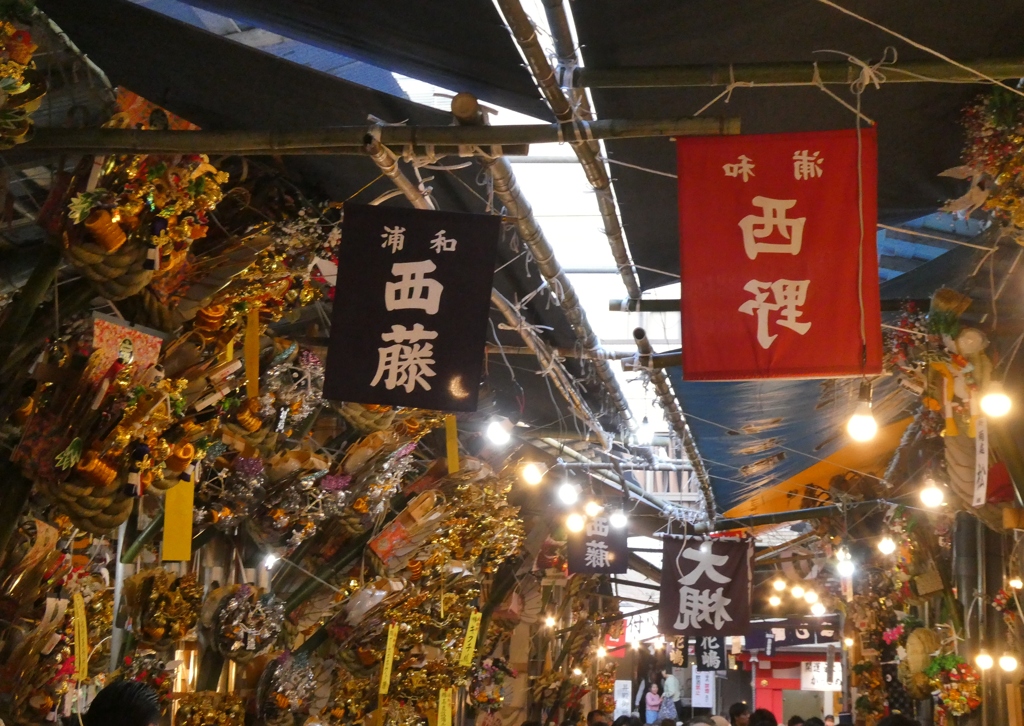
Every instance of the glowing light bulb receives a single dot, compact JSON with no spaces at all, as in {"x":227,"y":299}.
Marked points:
{"x":499,"y":432}
{"x":845,"y":568}
{"x":577,"y":672}
{"x":601,"y":652}
{"x":779,"y":585}
{"x":619,"y":519}
{"x":549,"y":621}
{"x":810,"y":597}
{"x":575,"y":522}
{"x":995,"y":402}
{"x":862,"y":425}
{"x":645,"y":433}
{"x":775,"y":601}
{"x":568,"y":493}
{"x":1016,"y":583}
{"x":798,"y":591}
{"x":984,"y":661}
{"x":592,"y":508}
{"x":636,"y":645}
{"x":818,"y":609}
{"x":1008,"y":662}
{"x":886,"y":546}
{"x":270,"y":560}
{"x":932,"y":496}
{"x":532,"y":473}
{"x":848,"y":642}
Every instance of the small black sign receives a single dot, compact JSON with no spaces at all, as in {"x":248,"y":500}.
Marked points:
{"x":600,"y":549}
{"x":705,"y":586}
{"x":411,"y":307}
{"x":710,"y":653}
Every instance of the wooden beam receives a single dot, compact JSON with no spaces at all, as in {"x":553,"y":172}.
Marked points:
{"x":840,"y":72}
{"x":443,"y":139}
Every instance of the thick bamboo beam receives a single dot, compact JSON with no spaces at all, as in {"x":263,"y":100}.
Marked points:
{"x":834,"y":72}
{"x":445,"y":139}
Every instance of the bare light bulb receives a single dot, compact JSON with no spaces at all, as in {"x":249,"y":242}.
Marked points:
{"x":848,"y":642}
{"x":862,"y":425}
{"x":995,"y":403}
{"x":618,"y":519}
{"x":775,"y":601}
{"x":575,"y":522}
{"x":532,"y":473}
{"x":1008,"y":662}
{"x":779,"y":584}
{"x":932,"y":496}
{"x":845,"y":568}
{"x":601,"y":652}
{"x":1016,"y":583}
{"x":886,"y":546}
{"x":499,"y":431}
{"x":798,"y":591}
{"x":549,"y":621}
{"x":568,"y":493}
{"x":984,"y":661}
{"x":810,"y":597}
{"x":270,"y":560}
{"x":818,"y":609}
{"x":592,"y":508}
{"x":577,"y":672}
{"x":645,"y":433}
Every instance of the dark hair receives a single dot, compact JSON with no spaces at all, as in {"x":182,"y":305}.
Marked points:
{"x":596,"y":715}
{"x":668,"y":722}
{"x":814,"y":721}
{"x":763,"y":717}
{"x":795,"y":721}
{"x":124,"y":703}
{"x":898,"y":719}
{"x":738,"y":709}
{"x":622,"y":720}
{"x":635,"y":721}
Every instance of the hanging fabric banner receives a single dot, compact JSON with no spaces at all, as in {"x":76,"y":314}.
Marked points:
{"x":711,"y":653}
{"x":705,"y":587}
{"x":411,"y":307}
{"x":600,"y":549}
{"x":779,"y":268}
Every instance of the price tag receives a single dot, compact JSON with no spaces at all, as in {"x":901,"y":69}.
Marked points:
{"x":469,"y":643}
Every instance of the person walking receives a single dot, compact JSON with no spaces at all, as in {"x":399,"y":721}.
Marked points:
{"x":652,"y":701}
{"x":670,"y":695}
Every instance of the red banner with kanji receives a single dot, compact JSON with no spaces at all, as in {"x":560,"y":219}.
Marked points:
{"x":779,"y":268}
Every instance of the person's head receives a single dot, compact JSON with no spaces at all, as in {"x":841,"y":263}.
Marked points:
{"x":668,"y":722}
{"x":635,"y":721}
{"x":719,"y":721}
{"x":124,"y":703}
{"x":739,"y":714}
{"x":898,"y":719}
{"x":763,"y":717}
{"x":795,"y":721}
{"x":621,"y":721}
{"x":814,"y":721}
{"x":830,"y":721}
{"x":597,"y":717}
{"x":654,"y":688}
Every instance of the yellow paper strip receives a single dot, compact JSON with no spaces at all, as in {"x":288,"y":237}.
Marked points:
{"x":252,"y":354}
{"x":178,"y":522}
{"x":389,"y":657}
{"x":452,"y":440}
{"x":469,"y":642}
{"x":444,"y":707}
{"x":81,"y":630}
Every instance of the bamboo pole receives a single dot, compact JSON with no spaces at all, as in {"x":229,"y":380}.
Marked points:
{"x":765,"y":74}
{"x":444,"y":139}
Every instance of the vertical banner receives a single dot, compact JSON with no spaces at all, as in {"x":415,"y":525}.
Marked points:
{"x":705,"y":586}
{"x":389,"y":660}
{"x":702,"y":689}
{"x":178,"y":520}
{"x":623,"y":698}
{"x":778,"y":257}
{"x":469,"y":641}
{"x":411,"y":307}
{"x":600,"y":549}
{"x":980,"y":462}
{"x":711,"y":655}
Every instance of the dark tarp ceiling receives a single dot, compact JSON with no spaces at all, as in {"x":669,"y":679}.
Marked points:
{"x":918,"y":133}
{"x":219,"y":84}
{"x":462,"y":45}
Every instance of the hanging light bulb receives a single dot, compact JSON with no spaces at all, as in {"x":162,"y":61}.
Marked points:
{"x":499,"y":431}
{"x":779,"y":584}
{"x":810,"y":597}
{"x":848,"y":642}
{"x":1016,"y":583}
{"x":775,"y":601}
{"x":270,"y":560}
{"x":532,"y":473}
{"x":568,"y":493}
{"x":886,"y":546}
{"x":592,"y":508}
{"x":862,"y":425}
{"x":618,"y":519}
{"x":844,"y":562}
{"x":1008,"y":662}
{"x":931,"y":495}
{"x":601,"y":652}
{"x":983,"y":660}
{"x":575,"y":522}
{"x":798,"y":591}
{"x":645,"y":433}
{"x":577,"y":672}
{"x":995,"y":402}
{"x":818,"y":609}
{"x":636,"y":645}
{"x":549,"y":621}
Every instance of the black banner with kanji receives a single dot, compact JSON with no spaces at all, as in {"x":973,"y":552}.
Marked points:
{"x":600,"y":549}
{"x":411,"y":307}
{"x":710,"y":653}
{"x":705,"y":586}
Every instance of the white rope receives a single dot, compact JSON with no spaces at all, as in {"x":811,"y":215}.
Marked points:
{"x":920,"y":46}
{"x":669,"y":174}
{"x":855,"y":110}
{"x":727,"y":93}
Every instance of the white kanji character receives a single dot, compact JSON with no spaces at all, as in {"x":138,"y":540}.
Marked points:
{"x":440,"y":243}
{"x":406,"y":366}
{"x":709,"y":656}
{"x":807,"y":165}
{"x":788,"y":296}
{"x":414,"y":290}
{"x":394,"y":237}
{"x":596,"y":555}
{"x":773,"y":216}
{"x":597,"y":527}
{"x":706,"y":561}
{"x":744,"y":167}
{"x":702,"y":606}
